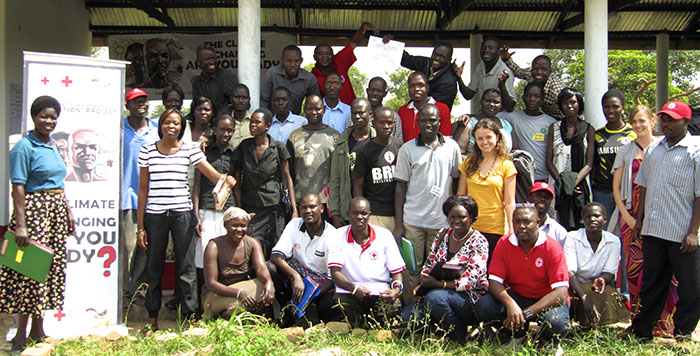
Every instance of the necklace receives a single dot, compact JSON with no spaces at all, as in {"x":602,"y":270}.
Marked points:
{"x":467,"y":234}
{"x":483,"y":177}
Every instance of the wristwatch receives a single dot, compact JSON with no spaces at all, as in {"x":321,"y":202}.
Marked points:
{"x":527,"y":313}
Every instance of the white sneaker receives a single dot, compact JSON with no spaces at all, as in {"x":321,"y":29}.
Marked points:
{"x":558,"y":351}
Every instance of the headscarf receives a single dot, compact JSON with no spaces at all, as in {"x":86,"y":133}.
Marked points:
{"x":234,"y":212}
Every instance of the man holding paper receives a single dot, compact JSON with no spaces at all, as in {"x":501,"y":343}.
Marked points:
{"x":302,"y":253}
{"x":327,"y":61}
{"x":365,"y":266}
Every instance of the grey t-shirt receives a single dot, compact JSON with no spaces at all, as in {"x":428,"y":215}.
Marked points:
{"x":428,"y":173}
{"x":531,"y":134}
{"x":311,"y":159}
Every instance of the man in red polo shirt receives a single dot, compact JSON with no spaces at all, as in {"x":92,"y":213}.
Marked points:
{"x":327,"y":62}
{"x":528,"y":280}
{"x":418,"y":92}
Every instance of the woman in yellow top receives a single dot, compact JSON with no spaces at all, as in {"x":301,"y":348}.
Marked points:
{"x":488,"y":175}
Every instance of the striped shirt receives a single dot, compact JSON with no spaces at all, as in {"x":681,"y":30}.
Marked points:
{"x":168,"y":186}
{"x":672,"y":178}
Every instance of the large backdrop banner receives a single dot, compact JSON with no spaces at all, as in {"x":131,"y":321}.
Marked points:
{"x":158,"y":60}
{"x":88,"y":135}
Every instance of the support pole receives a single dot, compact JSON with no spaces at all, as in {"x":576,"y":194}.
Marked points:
{"x":661,"y":70}
{"x":475,"y":55}
{"x":249,"y":48}
{"x":595,"y":58}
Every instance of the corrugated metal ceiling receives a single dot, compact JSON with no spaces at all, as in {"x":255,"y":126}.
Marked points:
{"x":533,"y":19}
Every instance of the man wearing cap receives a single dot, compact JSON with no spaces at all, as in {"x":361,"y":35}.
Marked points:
{"x":138,"y":130}
{"x":542,"y":194}
{"x":668,"y":222}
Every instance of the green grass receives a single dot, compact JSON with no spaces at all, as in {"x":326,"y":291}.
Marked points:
{"x":246,"y":334}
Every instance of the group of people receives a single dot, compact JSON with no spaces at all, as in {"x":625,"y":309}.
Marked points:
{"x":513,"y":216}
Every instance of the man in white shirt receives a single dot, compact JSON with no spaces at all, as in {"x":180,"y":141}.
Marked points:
{"x":302,"y":252}
{"x":541,"y":194}
{"x":365,"y":266}
{"x":592,"y":256}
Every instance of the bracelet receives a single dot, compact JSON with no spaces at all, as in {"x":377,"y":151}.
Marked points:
{"x":444,"y":284}
{"x":527,"y":313}
{"x":239,"y":293}
{"x":355,"y":290}
{"x":141,"y":229}
{"x":399,"y":283}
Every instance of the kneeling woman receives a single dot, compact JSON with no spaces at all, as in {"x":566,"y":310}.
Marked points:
{"x":451,"y":301}
{"x":229,"y":264}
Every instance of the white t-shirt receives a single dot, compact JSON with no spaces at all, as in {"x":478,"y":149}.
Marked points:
{"x":168,"y":188}
{"x":296,"y":243}
{"x":375,"y":261}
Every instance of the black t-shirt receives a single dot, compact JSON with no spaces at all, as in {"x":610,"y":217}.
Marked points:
{"x":224,"y":163}
{"x":377,"y":164}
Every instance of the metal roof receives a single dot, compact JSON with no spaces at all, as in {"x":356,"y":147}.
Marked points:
{"x":525,"y":23}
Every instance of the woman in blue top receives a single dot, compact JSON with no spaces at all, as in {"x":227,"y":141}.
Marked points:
{"x":41,"y":214}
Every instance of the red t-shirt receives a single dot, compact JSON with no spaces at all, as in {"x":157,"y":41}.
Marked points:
{"x":531,"y":275}
{"x":342,"y":61}
{"x":409,"y":120}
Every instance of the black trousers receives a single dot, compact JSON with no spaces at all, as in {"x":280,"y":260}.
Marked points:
{"x":663,"y":259}
{"x":179,"y":225}
{"x":266,"y":226}
{"x":283,"y":294}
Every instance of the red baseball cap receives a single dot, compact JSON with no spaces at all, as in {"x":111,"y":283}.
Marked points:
{"x":135,"y":93}
{"x":677,"y":110}
{"x":542,"y":186}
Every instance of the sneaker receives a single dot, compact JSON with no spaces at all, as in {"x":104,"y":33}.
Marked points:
{"x":514,"y":343}
{"x":558,"y":350}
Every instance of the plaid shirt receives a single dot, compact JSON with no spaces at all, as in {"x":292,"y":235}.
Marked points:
{"x":672,"y":178}
{"x":551,"y":89}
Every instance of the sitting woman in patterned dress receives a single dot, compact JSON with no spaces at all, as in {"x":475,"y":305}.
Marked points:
{"x":42,"y":215}
{"x":449,"y":300}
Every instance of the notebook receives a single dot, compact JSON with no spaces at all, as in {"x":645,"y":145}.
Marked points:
{"x":311,"y":290}
{"x":32,"y":261}
{"x":408,"y":253}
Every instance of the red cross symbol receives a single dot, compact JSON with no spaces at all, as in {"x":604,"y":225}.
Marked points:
{"x":66,"y":81}
{"x":59,"y":315}
{"x":44,"y":80}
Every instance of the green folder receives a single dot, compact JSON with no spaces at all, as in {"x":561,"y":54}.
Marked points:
{"x":32,"y":261}
{"x":408,"y":252}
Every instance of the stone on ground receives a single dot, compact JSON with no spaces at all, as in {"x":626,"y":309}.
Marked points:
{"x":163,"y":338}
{"x":338,"y":327}
{"x":41,"y":349}
{"x":293,"y":334}
{"x":201,"y":332}
{"x":383,"y":335}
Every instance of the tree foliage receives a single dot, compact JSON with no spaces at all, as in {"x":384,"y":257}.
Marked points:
{"x":626,"y":67}
{"x":397,"y":87}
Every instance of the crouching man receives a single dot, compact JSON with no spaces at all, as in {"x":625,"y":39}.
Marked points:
{"x":302,"y":252}
{"x":528,"y":280}
{"x":366,"y":267}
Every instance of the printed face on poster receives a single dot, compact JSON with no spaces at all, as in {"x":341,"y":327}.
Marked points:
{"x":87,"y":134}
{"x":159,"y":60}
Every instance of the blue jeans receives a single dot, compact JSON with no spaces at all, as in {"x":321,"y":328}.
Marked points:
{"x":554,"y":322}
{"x":179,"y":225}
{"x":605,"y":198}
{"x":451,"y":309}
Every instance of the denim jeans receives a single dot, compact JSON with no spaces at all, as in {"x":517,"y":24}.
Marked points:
{"x":179,"y":225}
{"x":452,"y":310}
{"x":554,"y":322}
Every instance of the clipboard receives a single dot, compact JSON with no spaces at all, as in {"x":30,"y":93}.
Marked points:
{"x":221,"y":192}
{"x":32,"y":261}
